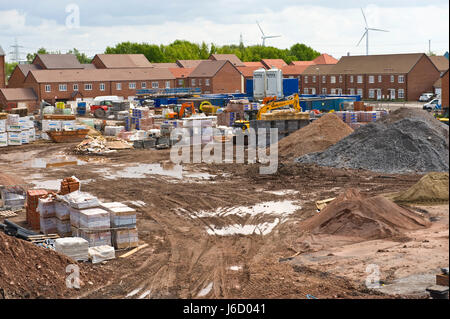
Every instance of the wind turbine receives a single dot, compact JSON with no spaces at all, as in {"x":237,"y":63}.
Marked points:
{"x":366,"y":33}
{"x":264,"y":37}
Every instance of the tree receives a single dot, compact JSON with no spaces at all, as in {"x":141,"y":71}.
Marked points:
{"x":31,"y":56}
{"x":9,"y":68}
{"x":82,"y":57}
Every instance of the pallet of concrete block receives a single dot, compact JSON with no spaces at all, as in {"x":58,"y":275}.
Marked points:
{"x":94,"y":219}
{"x":3,"y":139}
{"x":81,"y":200}
{"x":47,"y":215}
{"x":94,"y":237}
{"x":120,"y":214}
{"x":113,"y":130}
{"x":123,"y":238}
{"x":99,"y":254}
{"x":73,"y":247}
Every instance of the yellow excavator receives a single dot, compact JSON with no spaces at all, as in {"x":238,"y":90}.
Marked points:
{"x":207,"y":108}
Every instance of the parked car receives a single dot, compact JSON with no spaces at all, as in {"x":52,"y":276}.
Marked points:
{"x":433,"y":105}
{"x":425,"y":97}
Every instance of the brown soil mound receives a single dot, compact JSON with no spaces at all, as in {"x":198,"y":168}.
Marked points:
{"x":316,"y":137}
{"x":29,"y":271}
{"x":433,"y":187}
{"x":354,"y":215}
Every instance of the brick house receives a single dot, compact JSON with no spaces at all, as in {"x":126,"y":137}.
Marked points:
{"x":377,"y":77}
{"x":270,"y":63}
{"x":65,"y":85}
{"x":2,"y":68}
{"x":294,"y":72}
{"x":254,"y":64}
{"x":181,"y":75}
{"x":120,"y":61}
{"x":165,"y":65}
{"x":18,"y":97}
{"x":227,"y":57}
{"x":314,"y":79}
{"x":247,"y":73}
{"x":57,"y":61}
{"x":444,"y":92}
{"x":190,"y":64}
{"x":216,"y":77}
{"x":20,"y":72}
{"x":325,"y":58}
{"x":441,"y":63}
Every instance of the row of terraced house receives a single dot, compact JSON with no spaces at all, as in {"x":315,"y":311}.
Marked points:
{"x":60,"y":77}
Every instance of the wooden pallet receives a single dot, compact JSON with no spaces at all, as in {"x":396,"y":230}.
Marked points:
{"x":67,"y":136}
{"x":8,"y":213}
{"x":41,"y":238}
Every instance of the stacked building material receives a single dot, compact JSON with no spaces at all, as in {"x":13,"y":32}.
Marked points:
{"x":101,"y":253}
{"x":69,"y":185}
{"x":73,"y":247}
{"x":47,"y":215}
{"x":13,"y":196}
{"x":95,"y":226}
{"x":32,"y":216}
{"x":140,"y":119}
{"x":62,"y":214}
{"x":113,"y":130}
{"x":123,"y":223}
{"x":16,"y":130}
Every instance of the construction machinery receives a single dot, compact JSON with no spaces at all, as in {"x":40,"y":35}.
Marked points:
{"x":207,"y":108}
{"x":293,"y":101}
{"x":179,"y":111}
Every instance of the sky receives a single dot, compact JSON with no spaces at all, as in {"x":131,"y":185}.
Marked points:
{"x":328,"y":26}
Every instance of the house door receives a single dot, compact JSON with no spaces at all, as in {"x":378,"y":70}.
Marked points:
{"x":392,"y":94}
{"x":379,"y":94}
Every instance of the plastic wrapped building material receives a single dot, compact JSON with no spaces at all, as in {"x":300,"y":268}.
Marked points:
{"x":101,"y":253}
{"x":125,"y":238}
{"x":95,"y":237}
{"x":62,"y":210}
{"x":46,"y":207}
{"x":94,"y":219}
{"x":48,"y":225}
{"x":80,"y":200}
{"x":73,"y":247}
{"x":63,"y":228}
{"x":120,"y":215}
{"x":3,"y":139}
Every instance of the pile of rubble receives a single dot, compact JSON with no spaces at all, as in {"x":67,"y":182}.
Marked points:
{"x":101,"y":145}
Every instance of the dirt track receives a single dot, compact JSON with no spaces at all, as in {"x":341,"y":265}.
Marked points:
{"x":184,"y":258}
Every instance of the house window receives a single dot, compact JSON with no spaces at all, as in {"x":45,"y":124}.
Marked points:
{"x":88,"y":87}
{"x":360,"y":79}
{"x":333,"y":91}
{"x":75,"y":87}
{"x":118,"y":86}
{"x":333,"y":79}
{"x":102,"y":86}
{"x":380,"y":79}
{"x":401,"y":93}
{"x":180,"y":82}
{"x":371,"y":79}
{"x":340,"y":78}
{"x":313,"y":90}
{"x":48,"y":88}
{"x":339,"y":91}
{"x":371,"y":94}
{"x":305,"y":90}
{"x":143,"y":85}
{"x":167,"y":84}
{"x":62,"y":87}
{"x":207,"y":82}
{"x":392,"y":79}
{"x":401,"y":79}
{"x":352,"y":91}
{"x":360,"y":92}
{"x":351,"y":78}
{"x":314,"y":79}
{"x":324,"y":90}
{"x":324,"y":79}
{"x":193,"y":82}
{"x":155,"y":85}
{"x":306,"y":79}
{"x":132,"y":85}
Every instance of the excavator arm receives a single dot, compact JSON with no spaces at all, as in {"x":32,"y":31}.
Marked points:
{"x":276,"y":105}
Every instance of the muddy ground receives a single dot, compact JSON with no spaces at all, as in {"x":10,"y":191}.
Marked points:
{"x":200,"y":247}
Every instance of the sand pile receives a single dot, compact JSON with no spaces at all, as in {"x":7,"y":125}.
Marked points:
{"x":29,"y":271}
{"x":432,"y":188}
{"x":358,"y":216}
{"x":316,"y":137}
{"x":407,"y":140}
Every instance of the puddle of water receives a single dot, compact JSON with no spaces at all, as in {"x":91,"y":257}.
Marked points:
{"x":280,"y":208}
{"x":50,"y":184}
{"x":60,"y":160}
{"x":284,"y":192}
{"x":236,"y":229}
{"x":235,"y":268}
{"x":135,"y":291}
{"x":205,"y":290}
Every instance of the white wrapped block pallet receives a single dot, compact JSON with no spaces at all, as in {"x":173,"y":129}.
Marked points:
{"x":3,"y":139}
{"x":2,"y":126}
{"x":48,"y":225}
{"x":120,"y":214}
{"x":95,"y":237}
{"x":94,"y":219}
{"x":73,"y":247}
{"x":63,"y":228}
{"x":46,"y":207}
{"x":80,"y":200}
{"x":14,"y":138}
{"x":101,"y":253}
{"x":125,"y":238}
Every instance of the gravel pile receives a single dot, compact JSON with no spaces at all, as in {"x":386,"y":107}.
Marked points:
{"x":407,"y":140}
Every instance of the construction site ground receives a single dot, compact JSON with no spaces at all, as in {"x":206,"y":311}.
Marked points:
{"x":226,"y":231}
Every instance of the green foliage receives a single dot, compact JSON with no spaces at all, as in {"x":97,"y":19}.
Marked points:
{"x":185,"y":50}
{"x":9,"y":68}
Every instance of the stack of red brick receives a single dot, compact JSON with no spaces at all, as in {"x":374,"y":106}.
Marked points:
{"x":69,"y":185}
{"x":31,"y":207}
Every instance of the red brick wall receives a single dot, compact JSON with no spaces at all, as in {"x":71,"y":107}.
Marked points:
{"x":98,"y":63}
{"x":39,"y":62}
{"x":226,"y":80}
{"x":2,"y":72}
{"x":444,"y":93}
{"x":16,"y":80}
{"x":421,"y":78}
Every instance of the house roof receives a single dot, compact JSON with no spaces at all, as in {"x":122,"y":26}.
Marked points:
{"x":325,"y":59}
{"x":25,"y":68}
{"x":269,"y":63}
{"x":440,"y":61}
{"x":247,"y":71}
{"x":188,"y":63}
{"x":89,"y":66}
{"x":121,"y":61}
{"x":294,"y":69}
{"x":98,"y":75}
{"x":1,"y":51}
{"x":257,"y":63}
{"x":302,"y":63}
{"x":378,"y":64}
{"x":319,"y":69}
{"x":181,"y":72}
{"x":229,"y":57}
{"x":208,"y":68}
{"x":165,"y":65}
{"x":438,"y":83}
{"x":19,"y":94}
{"x":59,"y":61}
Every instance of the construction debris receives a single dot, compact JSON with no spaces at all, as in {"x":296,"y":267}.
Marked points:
{"x":405,"y":141}
{"x":101,"y":145}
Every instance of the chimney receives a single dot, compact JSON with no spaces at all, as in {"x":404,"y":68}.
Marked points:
{"x":2,"y":69}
